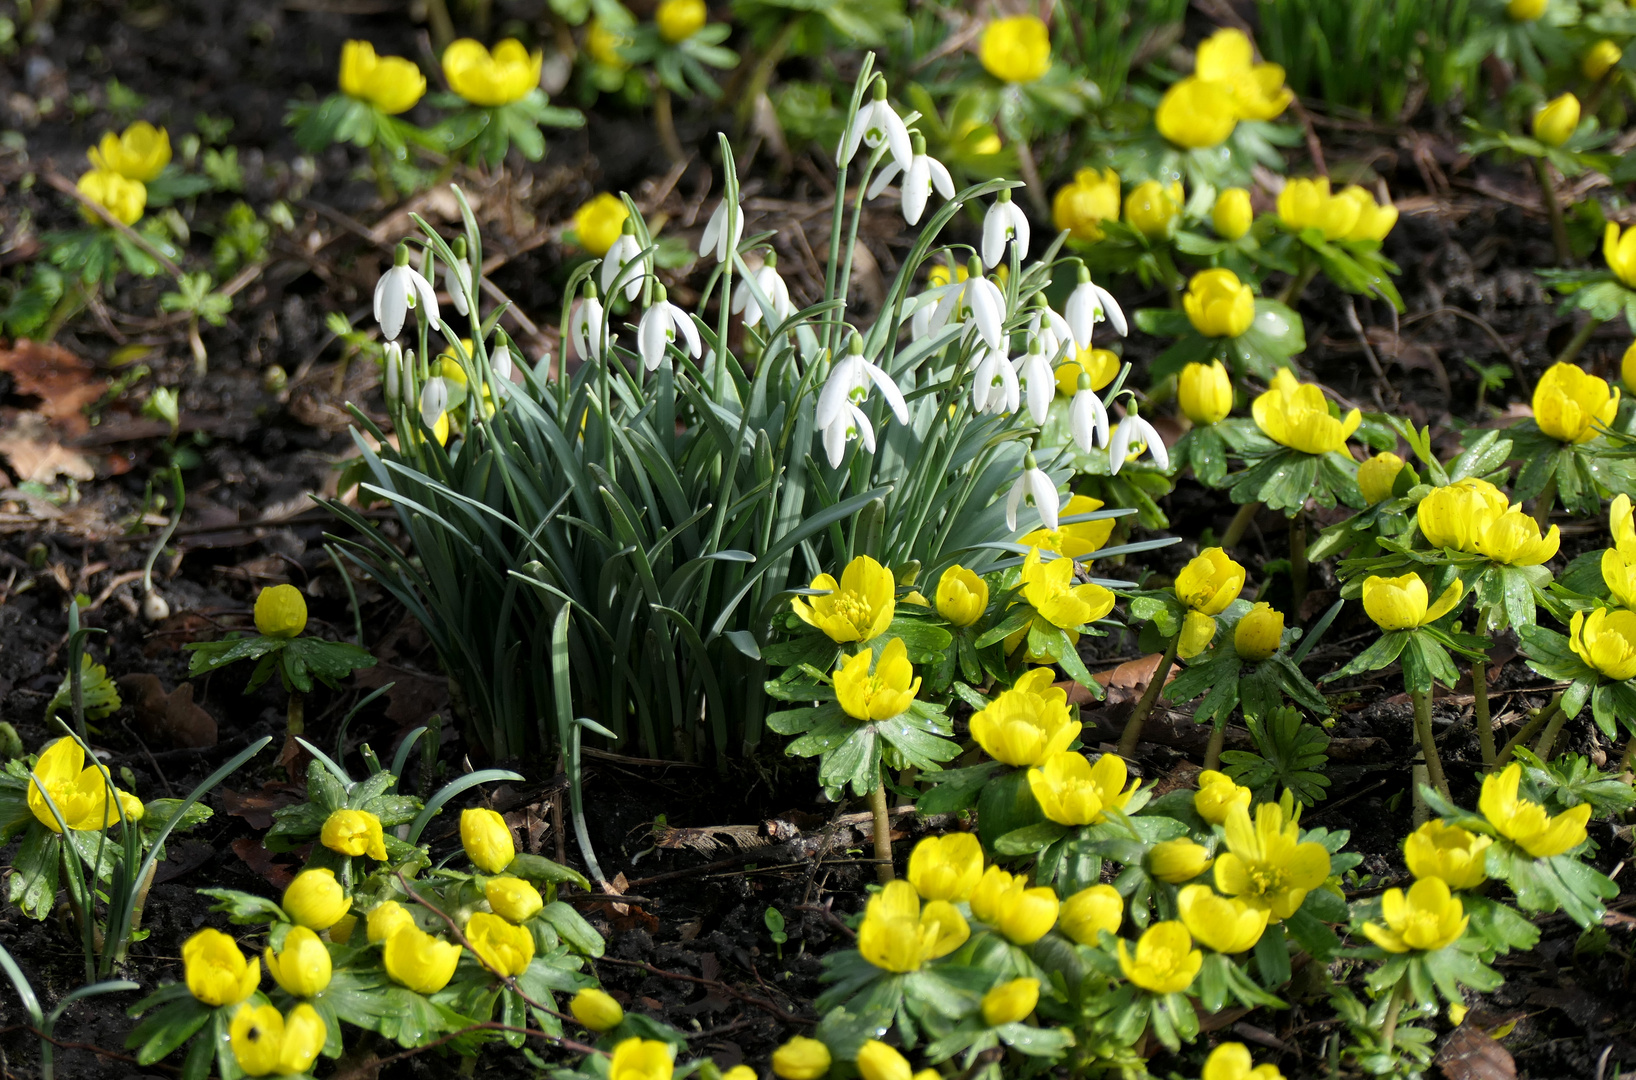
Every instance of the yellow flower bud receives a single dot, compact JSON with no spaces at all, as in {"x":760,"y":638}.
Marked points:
{"x":487,"y":839}
{"x":1570,"y":403}
{"x":416,"y":959}
{"x":598,"y":222}
{"x":596,"y":1010}
{"x":512,"y":898}
{"x":140,"y":153}
{"x":1026,"y":915}
{"x":1223,"y":923}
{"x":877,"y":1061}
{"x":1153,"y":209}
{"x":1401,"y":603}
{"x":265,"y":1043}
{"x":123,"y":199}
{"x":1196,"y":114}
{"x":1259,"y":633}
{"x":801,"y":1059}
{"x":1082,"y":206}
{"x":315,"y":899}
{"x":1026,"y":724}
{"x":1205,"y":392}
{"x":744,"y":1072}
{"x":679,"y":20}
{"x":386,"y":919}
{"x":1619,"y":249}
{"x":1556,"y":121}
{"x":503,"y":948}
{"x":1165,"y":960}
{"x":1374,"y":220}
{"x":1426,"y":918}
{"x":1218,"y":304}
{"x":1179,"y":860}
{"x":1210,"y":581}
{"x":858,"y":608}
{"x":491,"y":79}
{"x":1457,"y":515}
{"x":1010,"y":1002}
{"x":1090,"y":910}
{"x":1526,"y":823}
{"x":1606,"y":640}
{"x":341,"y":932}
{"x":641,"y":1059}
{"x":1526,"y":10}
{"x":215,"y":971}
{"x":1218,"y":795}
{"x":946,"y":867}
{"x":1232,"y":215}
{"x":883,"y":693}
{"x":1440,"y":850}
{"x":1309,"y":204}
{"x":603,"y":44}
{"x":1232,"y":1061}
{"x":1377,"y":475}
{"x":281,"y":612}
{"x":1016,"y":49}
{"x":1600,"y":59}
{"x":302,"y":966}
{"x":390,"y":83}
{"x":1072,"y":791}
{"x":962,"y":596}
{"x":354,"y":832}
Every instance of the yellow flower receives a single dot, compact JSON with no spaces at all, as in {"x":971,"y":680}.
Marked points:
{"x":1527,"y":823}
{"x":938,"y":275}
{"x":1600,"y":59}
{"x":1377,"y":475}
{"x":1223,"y":923}
{"x":1195,"y":114}
{"x":1165,"y":960}
{"x":1026,"y":724}
{"x":491,"y":79}
{"x":1428,"y":918}
{"x":354,"y":832}
{"x":416,"y":959}
{"x":1266,"y":864}
{"x":1015,"y":50}
{"x":1091,"y":910}
{"x":1076,"y":539}
{"x":1622,"y":523}
{"x":390,"y":83}
{"x":1179,"y":860}
{"x":877,"y":1061}
{"x":302,"y":966}
{"x":1456,"y":515}
{"x":1232,"y":215}
{"x":1049,"y":588}
{"x":1218,"y":795}
{"x":898,"y":934}
{"x":1010,"y":1002}
{"x":1627,"y":366}
{"x":503,"y":948}
{"x":1205,"y":392}
{"x":857,"y":609}
{"x":1440,"y":850}
{"x":1606,"y":640}
{"x":1308,"y":204}
{"x":1296,"y":415}
{"x":315,"y":899}
{"x":140,"y":153}
{"x":215,"y":971}
{"x":341,"y":932}
{"x":1619,"y":572}
{"x":599,"y":221}
{"x":1374,"y":219}
{"x":1022,"y":915}
{"x":603,"y":44}
{"x":386,"y":919}
{"x":1210,"y":581}
{"x":679,"y":20}
{"x":1259,"y":633}
{"x":946,"y":867}
{"x":1072,"y":791}
{"x":513,"y":899}
{"x":1218,"y":304}
{"x":1082,"y":206}
{"x":487,"y":839}
{"x":1257,"y":91}
{"x":1153,"y":209}
{"x":123,"y":199}
{"x":596,"y":1010}
{"x":281,"y":612}
{"x":1513,"y":539}
{"x":1400,"y":603}
{"x":962,"y":596}
{"x":1526,"y":10}
{"x":265,"y":1043}
{"x":886,"y":692}
{"x":79,"y":791}
{"x":641,"y":1059}
{"x":801,"y":1059}
{"x":1569,"y":402}
{"x":1100,"y":364}
{"x":1619,"y":249}
{"x":1555,"y":122}
{"x":1231,"y":1061}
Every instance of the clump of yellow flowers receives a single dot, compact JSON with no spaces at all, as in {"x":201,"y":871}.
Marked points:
{"x":1227,"y":86}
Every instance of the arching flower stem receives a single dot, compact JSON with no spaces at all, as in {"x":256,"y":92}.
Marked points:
{"x":1132,"y":736}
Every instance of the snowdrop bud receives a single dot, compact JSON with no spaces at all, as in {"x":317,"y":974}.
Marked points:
{"x":500,"y":358}
{"x":434,"y":400}
{"x":154,"y":607}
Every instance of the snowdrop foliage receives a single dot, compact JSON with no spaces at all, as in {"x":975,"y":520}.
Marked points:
{"x":400,"y":289}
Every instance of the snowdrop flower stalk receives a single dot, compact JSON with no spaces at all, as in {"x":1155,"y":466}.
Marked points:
{"x":1035,"y":488}
{"x":1135,"y":431}
{"x":401,"y":288}
{"x":1088,"y":417}
{"x":457,"y":276}
{"x":662,"y":324}
{"x":588,"y":326}
{"x":923,"y":174}
{"x":1004,"y":223}
{"x":1035,"y":372}
{"x":875,"y":122}
{"x":623,"y":266}
{"x":1090,"y":304}
{"x":848,"y":384}
{"x":772,"y":287}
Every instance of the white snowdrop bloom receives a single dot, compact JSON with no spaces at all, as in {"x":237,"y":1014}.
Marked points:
{"x":1090,"y":304}
{"x":875,"y":122}
{"x":400,"y":289}
{"x":722,"y":231}
{"x":621,"y":255}
{"x":392,"y":371}
{"x":663,"y":323}
{"x":457,"y":279}
{"x":848,"y":383}
{"x":923,"y":174}
{"x":1040,"y":380}
{"x":850,"y":423}
{"x":983,"y":301}
{"x":588,"y":326}
{"x":1035,"y":488}
{"x":500,"y":360}
{"x":1135,"y":431}
{"x":994,"y":386}
{"x":434,"y":400}
{"x":1087,"y":416}
{"x":772,"y":287}
{"x":1049,"y":329}
{"x":1004,"y":222}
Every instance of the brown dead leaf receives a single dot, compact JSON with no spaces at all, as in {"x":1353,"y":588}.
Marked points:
{"x":1470,"y":1053}
{"x":277,"y":874}
{"x":63,"y":382}
{"x":414,"y":696}
{"x":36,"y":451}
{"x":1126,"y":682}
{"x":172,"y":719}
{"x":256,"y":807}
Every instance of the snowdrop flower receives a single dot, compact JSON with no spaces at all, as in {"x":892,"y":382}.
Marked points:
{"x":1035,"y":488}
{"x":985,"y":303}
{"x":622,"y":254}
{"x":457,"y":278}
{"x":434,"y":400}
{"x":722,"y":231}
{"x":994,"y":386}
{"x":392,"y":377}
{"x":500,"y":359}
{"x":1088,"y":305}
{"x":872,"y":124}
{"x":1134,"y":431}
{"x":1087,"y":416}
{"x":849,"y":382}
{"x":400,"y":289}
{"x":1036,"y":373}
{"x":850,"y":423}
{"x":660,"y":325}
{"x":923,"y":174}
{"x":1004,"y":222}
{"x":772,"y":287}
{"x":588,"y":326}
{"x":1049,"y":329}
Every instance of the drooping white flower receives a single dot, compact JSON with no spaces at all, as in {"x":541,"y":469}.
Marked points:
{"x":1135,"y":431}
{"x":1090,"y":304}
{"x":434,"y":400}
{"x":848,"y":384}
{"x":663,"y":323}
{"x":1049,"y":329}
{"x":850,"y":423}
{"x":457,"y":278}
{"x":1041,"y":381}
{"x":588,"y":326}
{"x":994,"y":386}
{"x":400,"y":289}
{"x":772,"y":287}
{"x":622,"y":254}
{"x":500,"y":360}
{"x":722,"y":231}
{"x":1004,"y":222}
{"x":1087,"y":416}
{"x":1035,"y":488}
{"x":923,"y":174}
{"x":984,"y":303}
{"x":873,"y":123}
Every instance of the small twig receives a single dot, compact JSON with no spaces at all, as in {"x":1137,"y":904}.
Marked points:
{"x":66,"y":186}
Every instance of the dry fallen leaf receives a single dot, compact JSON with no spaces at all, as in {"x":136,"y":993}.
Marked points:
{"x":63,"y":382}
{"x":1470,"y":1053}
{"x":259,"y":859}
{"x":1123,"y":683}
{"x":36,"y":452}
{"x":172,"y":719}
